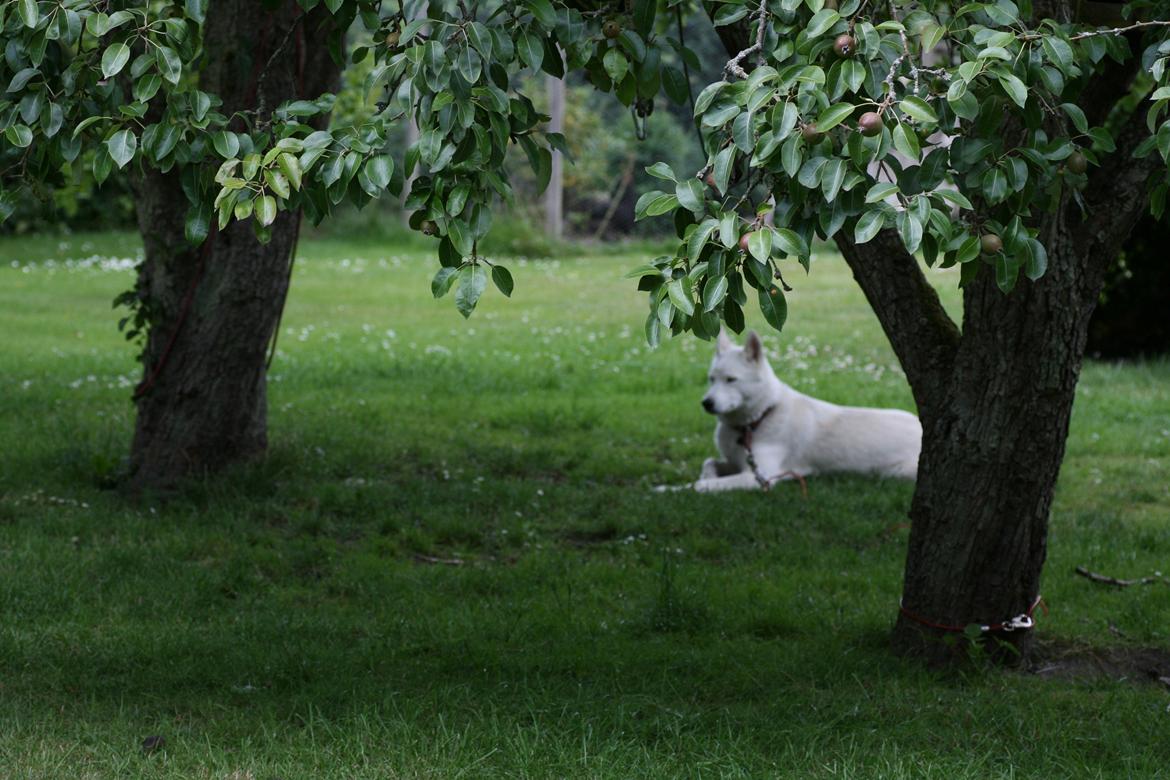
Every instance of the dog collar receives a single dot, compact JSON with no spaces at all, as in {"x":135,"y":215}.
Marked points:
{"x":746,"y":431}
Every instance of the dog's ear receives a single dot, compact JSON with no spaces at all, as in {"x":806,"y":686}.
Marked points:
{"x":752,"y":348}
{"x":723,"y":343}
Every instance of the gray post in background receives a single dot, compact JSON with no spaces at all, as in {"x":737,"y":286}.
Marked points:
{"x":554,"y":217}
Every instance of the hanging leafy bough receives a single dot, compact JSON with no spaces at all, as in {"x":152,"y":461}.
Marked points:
{"x":842,"y":122}
{"x":982,"y":139}
{"x":79,"y":77}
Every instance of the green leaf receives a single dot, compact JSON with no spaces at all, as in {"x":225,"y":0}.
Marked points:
{"x":616,"y":65}
{"x":760,"y":244}
{"x":869,"y":225}
{"x":1014,"y":88}
{"x":721,"y":169}
{"x":443,"y":280}
{"x":543,"y":11}
{"x":503,"y":280}
{"x":729,"y":229}
{"x":654,"y":204}
{"x":114,"y":59}
{"x":714,"y":291}
{"x":969,"y":249}
{"x":910,"y":229}
{"x":832,"y":177}
{"x":675,"y":84}
{"x":169,"y":64}
{"x":1058,"y":51}
{"x":379,"y":169}
{"x":700,"y":236}
{"x":791,"y":243}
{"x":690,"y":195}
{"x":955,"y":198}
{"x":97,"y":24}
{"x":995,"y":185}
{"x":1077,"y":116}
{"x":644,"y":11}
{"x":197,"y":224}
{"x":652,"y":331}
{"x":19,"y":136}
{"x":226,"y":144}
{"x":277,"y":182}
{"x":146,"y":87}
{"x":28,"y":12}
{"x":531,"y":49}
{"x":917,"y":108}
{"x":1036,"y":263}
{"x":472,"y":283}
{"x":460,"y":236}
{"x":291,"y":168}
{"x":679,"y":297}
{"x":906,"y":142}
{"x":880,"y":192}
{"x":661,"y":170}
{"x":266,"y":210}
{"x":122,"y":146}
{"x":833,"y":116}
{"x":21,"y":78}
{"x":821,"y":22}
{"x":774,"y":306}
{"x":165,"y":142}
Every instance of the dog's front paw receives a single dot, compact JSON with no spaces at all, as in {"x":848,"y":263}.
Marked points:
{"x":669,"y":488}
{"x":710,"y":469}
{"x":704,"y":486}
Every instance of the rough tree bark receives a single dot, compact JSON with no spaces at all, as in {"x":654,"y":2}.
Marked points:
{"x":995,"y":398}
{"x":202,"y":402}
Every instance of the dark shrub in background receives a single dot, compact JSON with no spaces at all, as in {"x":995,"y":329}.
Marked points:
{"x":1133,"y":317}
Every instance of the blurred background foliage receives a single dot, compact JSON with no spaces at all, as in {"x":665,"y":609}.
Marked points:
{"x":601,"y":185}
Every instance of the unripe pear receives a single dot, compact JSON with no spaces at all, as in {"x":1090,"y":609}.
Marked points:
{"x":870,"y":124}
{"x":845,"y":45}
{"x":990,"y":244}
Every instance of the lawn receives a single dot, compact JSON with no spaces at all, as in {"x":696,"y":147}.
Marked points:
{"x":452,"y":563}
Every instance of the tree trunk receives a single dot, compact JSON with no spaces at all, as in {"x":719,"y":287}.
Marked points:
{"x":202,"y":402}
{"x":995,"y":403}
{"x":991,"y":454}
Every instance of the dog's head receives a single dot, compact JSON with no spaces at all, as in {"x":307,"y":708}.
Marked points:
{"x":738,"y":375}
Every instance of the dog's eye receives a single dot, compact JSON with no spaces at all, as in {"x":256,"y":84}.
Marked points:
{"x":730,"y":379}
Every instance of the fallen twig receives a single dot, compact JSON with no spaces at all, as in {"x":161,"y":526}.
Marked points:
{"x":444,"y":561}
{"x":1106,"y":580}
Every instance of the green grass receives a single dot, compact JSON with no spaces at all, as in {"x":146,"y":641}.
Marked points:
{"x":283,"y":620}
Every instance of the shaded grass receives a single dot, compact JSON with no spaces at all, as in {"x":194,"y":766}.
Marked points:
{"x":288,"y":620}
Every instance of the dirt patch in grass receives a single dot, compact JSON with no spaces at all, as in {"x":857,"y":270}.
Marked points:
{"x":1065,"y":660}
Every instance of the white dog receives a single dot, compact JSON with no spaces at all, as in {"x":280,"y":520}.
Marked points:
{"x":767,"y":431}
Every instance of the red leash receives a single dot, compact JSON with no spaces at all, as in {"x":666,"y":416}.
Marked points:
{"x":1020,"y":622}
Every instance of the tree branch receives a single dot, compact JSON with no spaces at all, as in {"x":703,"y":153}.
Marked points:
{"x":923,"y":335}
{"x":733,"y":67}
{"x":1116,"y":195}
{"x":734,"y":37}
